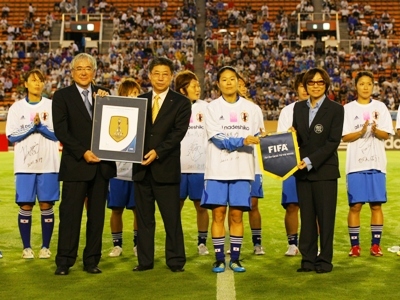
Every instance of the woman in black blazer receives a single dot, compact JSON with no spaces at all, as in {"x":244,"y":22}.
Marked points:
{"x":318,"y":122}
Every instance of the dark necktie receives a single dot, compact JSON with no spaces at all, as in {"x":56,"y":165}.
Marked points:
{"x":87,"y":103}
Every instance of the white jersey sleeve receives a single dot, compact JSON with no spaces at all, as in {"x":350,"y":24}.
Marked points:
{"x":285,"y":120}
{"x":398,"y":119}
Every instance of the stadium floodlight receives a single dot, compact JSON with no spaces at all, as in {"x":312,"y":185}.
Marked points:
{"x":326,"y":26}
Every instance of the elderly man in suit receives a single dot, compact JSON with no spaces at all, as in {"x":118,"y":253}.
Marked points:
{"x":318,"y":122}
{"x":82,"y":172}
{"x":157,"y":178}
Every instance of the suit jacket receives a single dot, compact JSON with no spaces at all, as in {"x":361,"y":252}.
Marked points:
{"x":320,"y":140}
{"x":73,"y":128}
{"x":165,"y":136}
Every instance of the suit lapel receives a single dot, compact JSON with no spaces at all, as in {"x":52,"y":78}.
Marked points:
{"x":321,"y":112}
{"x":168,"y":102}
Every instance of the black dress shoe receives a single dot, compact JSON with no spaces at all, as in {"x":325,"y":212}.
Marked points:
{"x":92,"y":270}
{"x":305,"y":270}
{"x":140,"y":268}
{"x":320,"y":271}
{"x":177,"y":269}
{"x":61,"y":271}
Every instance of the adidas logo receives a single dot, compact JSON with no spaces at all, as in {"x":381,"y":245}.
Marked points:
{"x":23,"y":117}
{"x":221,"y":117}
{"x":356,"y":118}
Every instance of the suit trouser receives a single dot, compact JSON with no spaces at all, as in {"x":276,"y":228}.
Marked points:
{"x":317,"y":202}
{"x":147,"y":192}
{"x":71,"y":207}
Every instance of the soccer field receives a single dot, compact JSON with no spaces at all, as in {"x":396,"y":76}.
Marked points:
{"x":272,"y":276}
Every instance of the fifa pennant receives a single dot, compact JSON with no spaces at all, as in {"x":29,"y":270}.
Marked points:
{"x":279,"y":154}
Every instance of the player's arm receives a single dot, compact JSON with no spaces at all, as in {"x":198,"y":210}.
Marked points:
{"x":221,"y":141}
{"x":21,"y":133}
{"x":46,"y":132}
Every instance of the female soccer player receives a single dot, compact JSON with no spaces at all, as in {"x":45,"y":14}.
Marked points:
{"x":36,"y":161}
{"x":367,"y":125}
{"x":232,"y":125}
{"x":193,"y":154}
{"x":120,"y":195}
{"x":290,"y":202}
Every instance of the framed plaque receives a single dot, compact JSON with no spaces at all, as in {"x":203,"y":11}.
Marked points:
{"x":119,"y":128}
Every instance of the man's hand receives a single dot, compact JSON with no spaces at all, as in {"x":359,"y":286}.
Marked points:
{"x":100,"y":93}
{"x":302,"y":165}
{"x":149,"y":157}
{"x":90,"y":157}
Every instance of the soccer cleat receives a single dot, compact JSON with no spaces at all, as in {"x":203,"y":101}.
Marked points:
{"x":202,"y":249}
{"x":355,"y":251}
{"x":258,"y":250}
{"x":44,"y":253}
{"x":376,"y":250}
{"x":28,"y":253}
{"x":219,"y":267}
{"x":115,"y":252}
{"x":394,"y":249}
{"x":135,"y":250}
{"x":236,"y":266}
{"x":292,"y":250}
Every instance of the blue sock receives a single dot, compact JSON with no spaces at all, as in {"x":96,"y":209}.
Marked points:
{"x":354,"y":233}
{"x":219,"y":243}
{"x":256,"y":236}
{"x":202,"y":237}
{"x":25,"y":225}
{"x":292,"y":239}
{"x":117,"y":238}
{"x":47,"y":217}
{"x":134,"y":238}
{"x":236,"y":244}
{"x":376,"y":231}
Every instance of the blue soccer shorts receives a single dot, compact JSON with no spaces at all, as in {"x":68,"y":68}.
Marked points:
{"x":256,"y":187}
{"x":235,"y":193}
{"x":29,"y":186}
{"x":191,"y":186}
{"x":366,"y":187}
{"x":120,"y":194}
{"x":289,"y":192}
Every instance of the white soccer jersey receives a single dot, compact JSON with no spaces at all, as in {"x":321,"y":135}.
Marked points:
{"x":398,"y":119}
{"x":239,"y":119}
{"x":367,"y":152}
{"x":35,"y":153}
{"x":285,"y":120}
{"x":124,"y":170}
{"x":193,"y":145}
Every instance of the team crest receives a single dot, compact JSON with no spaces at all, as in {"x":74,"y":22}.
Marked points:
{"x":375,"y":115}
{"x":118,"y":128}
{"x":244,"y":116}
{"x":318,"y":128}
{"x":44,"y":115}
{"x":200,"y":117}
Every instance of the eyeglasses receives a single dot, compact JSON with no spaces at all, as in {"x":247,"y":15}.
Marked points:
{"x":320,"y":83}
{"x":87,"y":69}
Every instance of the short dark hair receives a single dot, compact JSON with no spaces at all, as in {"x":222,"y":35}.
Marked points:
{"x":298,"y":80}
{"x":309,"y":75}
{"x":223,"y":69}
{"x":364,"y":73}
{"x":161,"y":61}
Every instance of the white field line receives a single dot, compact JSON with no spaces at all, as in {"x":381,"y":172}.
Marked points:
{"x":226,"y":285}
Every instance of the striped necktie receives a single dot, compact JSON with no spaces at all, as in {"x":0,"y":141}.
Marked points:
{"x":156,"y":108}
{"x":87,"y":103}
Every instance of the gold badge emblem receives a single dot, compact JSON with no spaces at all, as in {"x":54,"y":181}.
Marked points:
{"x":118,"y":129}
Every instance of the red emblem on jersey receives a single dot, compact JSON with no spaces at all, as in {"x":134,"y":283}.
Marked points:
{"x":244,"y":116}
{"x":199,"y":117}
{"x":44,"y":116}
{"x":375,"y":115}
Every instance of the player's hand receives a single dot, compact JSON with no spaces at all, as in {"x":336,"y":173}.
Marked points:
{"x":101,"y":93}
{"x":36,"y":120}
{"x":373,"y":127}
{"x":292,"y":129}
{"x":149,"y":157}
{"x":90,"y":157}
{"x":251,"y":140}
{"x":263,"y":133}
{"x":302,"y":165}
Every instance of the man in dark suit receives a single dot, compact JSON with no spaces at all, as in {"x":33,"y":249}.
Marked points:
{"x":318,"y":122}
{"x":157,"y":178}
{"x":82,"y":172}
